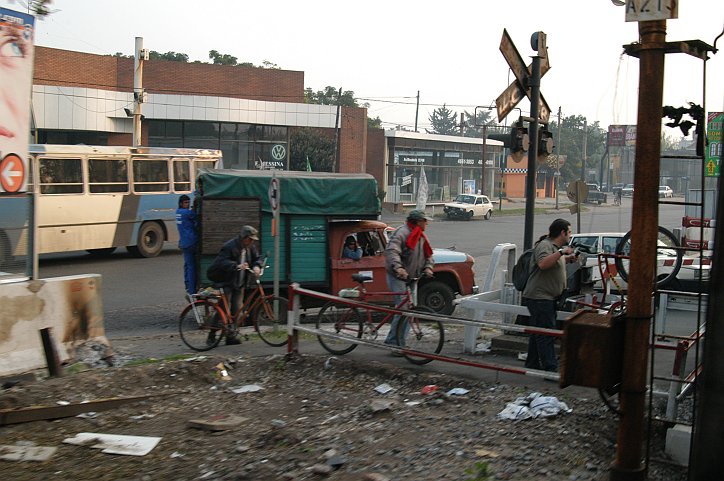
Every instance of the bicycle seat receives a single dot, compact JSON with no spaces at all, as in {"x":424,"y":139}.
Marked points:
{"x":361,"y":278}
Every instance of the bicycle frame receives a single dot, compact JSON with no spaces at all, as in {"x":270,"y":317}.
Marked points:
{"x":408,"y":300}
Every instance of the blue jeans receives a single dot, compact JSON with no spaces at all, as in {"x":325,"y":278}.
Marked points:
{"x":190,"y":269}
{"x":396,"y":285}
{"x":541,"y":350}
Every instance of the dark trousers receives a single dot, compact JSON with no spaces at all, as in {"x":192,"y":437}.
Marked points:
{"x":541,"y":349}
{"x":190,"y":269}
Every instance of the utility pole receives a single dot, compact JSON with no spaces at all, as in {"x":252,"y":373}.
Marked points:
{"x":138,"y":95}
{"x":485,"y":157}
{"x":417,"y":109}
{"x":532,"y":152}
{"x":585,"y":150}
{"x":558,"y":157}
{"x":336,"y":132}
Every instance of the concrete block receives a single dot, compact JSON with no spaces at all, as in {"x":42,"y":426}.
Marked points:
{"x":678,"y":441}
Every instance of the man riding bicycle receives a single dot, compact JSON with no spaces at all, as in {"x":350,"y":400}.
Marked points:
{"x":235,"y":257}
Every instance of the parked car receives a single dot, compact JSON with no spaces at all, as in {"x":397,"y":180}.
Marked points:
{"x":595,"y":195}
{"x":628,"y":190}
{"x":467,"y":206}
{"x":607,"y":242}
{"x":665,"y":191}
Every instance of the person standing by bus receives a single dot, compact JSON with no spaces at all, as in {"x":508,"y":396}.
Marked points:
{"x":186,"y":223}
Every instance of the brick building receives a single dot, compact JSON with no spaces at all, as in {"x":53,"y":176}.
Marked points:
{"x":248,"y":113}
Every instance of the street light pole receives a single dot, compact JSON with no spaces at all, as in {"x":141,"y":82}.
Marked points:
{"x":558,"y":158}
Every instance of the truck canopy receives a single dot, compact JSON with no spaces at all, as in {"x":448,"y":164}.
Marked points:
{"x":316,"y":193}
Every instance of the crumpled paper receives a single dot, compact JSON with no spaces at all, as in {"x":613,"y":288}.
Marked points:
{"x":532,"y":406}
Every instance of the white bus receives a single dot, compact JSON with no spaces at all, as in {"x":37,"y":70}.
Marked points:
{"x":99,"y":198}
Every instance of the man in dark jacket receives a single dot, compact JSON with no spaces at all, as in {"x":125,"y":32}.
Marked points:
{"x":188,"y":238}
{"x":235,"y":257}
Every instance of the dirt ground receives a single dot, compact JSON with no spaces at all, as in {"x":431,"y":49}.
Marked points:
{"x":315,"y":418}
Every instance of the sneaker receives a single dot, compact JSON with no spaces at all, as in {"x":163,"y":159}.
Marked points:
{"x":232,"y":340}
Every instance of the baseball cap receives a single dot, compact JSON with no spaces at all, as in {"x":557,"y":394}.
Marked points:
{"x":418,"y":214}
{"x":249,"y":231}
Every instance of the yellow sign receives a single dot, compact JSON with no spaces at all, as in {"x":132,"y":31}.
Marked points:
{"x":710,"y":168}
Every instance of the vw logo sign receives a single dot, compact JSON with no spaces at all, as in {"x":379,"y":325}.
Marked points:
{"x":279,"y":152}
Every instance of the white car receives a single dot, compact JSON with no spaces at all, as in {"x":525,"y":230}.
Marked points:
{"x":665,"y":191}
{"x":607,"y":242}
{"x":467,"y":206}
{"x":628,"y":190}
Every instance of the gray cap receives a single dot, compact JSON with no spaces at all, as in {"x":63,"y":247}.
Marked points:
{"x":249,"y":231}
{"x":418,"y":214}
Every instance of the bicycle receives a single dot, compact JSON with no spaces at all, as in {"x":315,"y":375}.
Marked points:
{"x":421,"y":335}
{"x":210,"y":310}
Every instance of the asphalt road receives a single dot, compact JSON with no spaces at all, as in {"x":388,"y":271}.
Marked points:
{"x":140,"y":294}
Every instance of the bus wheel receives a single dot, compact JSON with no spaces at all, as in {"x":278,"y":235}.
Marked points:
{"x":150,"y":241}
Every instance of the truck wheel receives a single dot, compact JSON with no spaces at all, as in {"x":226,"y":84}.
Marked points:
{"x":437,"y":296}
{"x":489,"y":214}
{"x":150,"y":240}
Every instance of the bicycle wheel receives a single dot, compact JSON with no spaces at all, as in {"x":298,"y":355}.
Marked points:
{"x":421,"y":335}
{"x":197,"y":321}
{"x":270,"y":320}
{"x":341,"y":320}
{"x":668,"y":259}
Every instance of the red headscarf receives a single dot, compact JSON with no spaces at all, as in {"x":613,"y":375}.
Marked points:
{"x":414,"y":238}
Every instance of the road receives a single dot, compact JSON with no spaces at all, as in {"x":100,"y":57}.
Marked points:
{"x":141,"y":294}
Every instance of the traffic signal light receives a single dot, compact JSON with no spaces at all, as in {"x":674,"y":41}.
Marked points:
{"x":516,"y":139}
{"x":545,"y":141}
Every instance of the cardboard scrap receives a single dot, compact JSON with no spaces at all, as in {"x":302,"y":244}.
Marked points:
{"x":115,"y":443}
{"x":218,"y":422}
{"x":26,"y":453}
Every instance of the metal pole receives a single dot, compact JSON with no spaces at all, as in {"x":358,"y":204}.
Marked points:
{"x":137,"y":90}
{"x":532,"y":153}
{"x":585,"y":150}
{"x":558,"y":157}
{"x":485,"y":156}
{"x":336,"y":133}
{"x":417,"y":109}
{"x":630,"y":439}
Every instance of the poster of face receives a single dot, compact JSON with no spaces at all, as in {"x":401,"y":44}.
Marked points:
{"x":16,"y":77}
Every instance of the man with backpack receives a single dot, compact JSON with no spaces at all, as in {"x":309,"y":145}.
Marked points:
{"x":546,"y":284}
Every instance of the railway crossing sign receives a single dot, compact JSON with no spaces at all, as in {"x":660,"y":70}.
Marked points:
{"x":520,"y":87}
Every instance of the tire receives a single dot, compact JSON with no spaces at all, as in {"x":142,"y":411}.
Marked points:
{"x":339,"y":319}
{"x":489,"y":214}
{"x":624,"y":246}
{"x":150,"y":240}
{"x":197,"y":320}
{"x":422,"y":335}
{"x":106,"y":251}
{"x":272,"y":329}
{"x":469,"y":215}
{"x":437,"y":296}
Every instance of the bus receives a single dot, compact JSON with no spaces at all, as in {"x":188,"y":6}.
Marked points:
{"x":99,"y":198}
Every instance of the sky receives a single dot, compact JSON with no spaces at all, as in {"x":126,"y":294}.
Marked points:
{"x":387,"y":51}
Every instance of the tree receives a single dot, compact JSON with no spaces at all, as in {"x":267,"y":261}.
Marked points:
{"x":172,"y":56}
{"x":571,"y":145}
{"x":375,"y":123}
{"x":330,"y":95}
{"x":222,"y":59}
{"x":443,"y":121}
{"x":306,"y":143}
{"x":270,"y":65}
{"x":473,"y":127}
{"x":40,"y":8}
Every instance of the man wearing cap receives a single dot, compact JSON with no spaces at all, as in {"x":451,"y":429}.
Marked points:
{"x":234,"y":258}
{"x":408,"y":254}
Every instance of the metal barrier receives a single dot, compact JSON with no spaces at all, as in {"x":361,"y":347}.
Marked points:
{"x":294,"y":326}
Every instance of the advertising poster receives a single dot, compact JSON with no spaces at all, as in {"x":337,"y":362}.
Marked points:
{"x":16,"y":77}
{"x":714,"y":143}
{"x":469,"y":186}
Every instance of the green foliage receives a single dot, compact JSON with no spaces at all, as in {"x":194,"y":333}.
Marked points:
{"x":443,"y":121}
{"x":270,"y":65}
{"x":572,"y":142}
{"x":222,"y":59}
{"x":40,"y":8}
{"x":330,"y":96}
{"x":479,"y":472}
{"x":474,"y":126}
{"x":172,"y":56}
{"x":375,"y":123}
{"x":310,"y":144}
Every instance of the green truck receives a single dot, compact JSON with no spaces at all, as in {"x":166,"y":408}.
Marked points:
{"x":317,"y":212}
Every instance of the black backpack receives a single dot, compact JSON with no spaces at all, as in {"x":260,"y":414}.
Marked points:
{"x":522,"y":269}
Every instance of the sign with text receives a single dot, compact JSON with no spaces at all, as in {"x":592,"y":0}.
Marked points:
{"x":647,"y":10}
{"x":16,"y":77}
{"x":714,"y":152}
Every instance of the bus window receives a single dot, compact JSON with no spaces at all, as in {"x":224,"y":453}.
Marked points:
{"x":181,"y":175}
{"x":150,"y":175}
{"x":61,"y":176}
{"x":107,"y":175}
